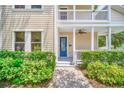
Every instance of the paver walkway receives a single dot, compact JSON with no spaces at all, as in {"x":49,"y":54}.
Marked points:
{"x":69,"y":77}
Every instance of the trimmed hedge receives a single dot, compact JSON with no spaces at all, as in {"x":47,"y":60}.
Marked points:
{"x":24,"y":68}
{"x":12,"y":54}
{"x":37,"y":55}
{"x":109,"y":74}
{"x":103,"y":56}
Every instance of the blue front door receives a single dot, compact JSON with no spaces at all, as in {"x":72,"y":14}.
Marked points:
{"x":63,"y":46}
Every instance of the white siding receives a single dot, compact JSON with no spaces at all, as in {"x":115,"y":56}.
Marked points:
{"x":28,"y":19}
{"x":116,"y":16}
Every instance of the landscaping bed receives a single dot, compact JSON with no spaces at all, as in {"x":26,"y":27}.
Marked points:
{"x":104,"y":68}
{"x":26,"y":69}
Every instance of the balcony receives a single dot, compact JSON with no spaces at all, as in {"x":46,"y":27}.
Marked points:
{"x":82,"y":14}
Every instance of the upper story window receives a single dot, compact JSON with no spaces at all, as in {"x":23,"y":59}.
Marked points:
{"x":36,"y":6}
{"x":28,"y":7}
{"x":19,"y":6}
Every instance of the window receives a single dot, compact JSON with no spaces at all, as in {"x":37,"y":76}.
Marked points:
{"x":36,"y":41}
{"x":63,"y":15}
{"x":36,"y":6}
{"x":19,"y":6}
{"x":19,"y":41}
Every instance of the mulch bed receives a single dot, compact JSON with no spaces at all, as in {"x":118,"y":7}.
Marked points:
{"x":5,"y":84}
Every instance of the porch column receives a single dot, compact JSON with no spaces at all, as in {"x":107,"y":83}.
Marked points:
{"x":74,"y":46}
{"x":109,"y":38}
{"x":92,"y":38}
{"x":74,"y":13}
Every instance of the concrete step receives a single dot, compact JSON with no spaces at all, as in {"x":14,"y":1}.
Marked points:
{"x":64,"y":65}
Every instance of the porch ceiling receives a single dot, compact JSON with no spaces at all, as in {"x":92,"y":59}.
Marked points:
{"x":100,"y":30}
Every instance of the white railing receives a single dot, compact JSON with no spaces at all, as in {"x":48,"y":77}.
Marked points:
{"x":78,"y":56}
{"x":100,"y":15}
{"x":83,"y":15}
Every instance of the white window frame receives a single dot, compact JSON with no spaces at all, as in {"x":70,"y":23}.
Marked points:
{"x":27,"y":42}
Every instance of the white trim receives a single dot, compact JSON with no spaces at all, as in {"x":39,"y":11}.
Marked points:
{"x":13,"y":41}
{"x":72,"y":10}
{"x":28,"y":41}
{"x":81,"y":21}
{"x":89,"y":25}
{"x":67,"y":46}
{"x":56,"y":32}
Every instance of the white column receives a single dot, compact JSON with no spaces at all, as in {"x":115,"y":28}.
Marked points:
{"x":92,"y":15}
{"x":109,"y":38}
{"x":74,"y":45}
{"x":109,"y":13}
{"x":55,"y":32}
{"x":27,"y":41}
{"x":74,"y":12}
{"x":92,"y":38}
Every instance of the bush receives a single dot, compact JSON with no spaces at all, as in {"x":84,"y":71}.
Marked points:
{"x":114,"y":56}
{"x":33,"y":67}
{"x":109,"y":74}
{"x":32,"y":72}
{"x":12,"y":54}
{"x":49,"y":56}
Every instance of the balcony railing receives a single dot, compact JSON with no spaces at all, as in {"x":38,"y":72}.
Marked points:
{"x":83,"y":15}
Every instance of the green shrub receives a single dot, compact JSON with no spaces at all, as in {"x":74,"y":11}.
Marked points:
{"x":33,"y":72}
{"x":113,"y":56}
{"x":12,"y":54}
{"x":23,"y":68}
{"x":37,"y":55}
{"x":109,"y":74}
{"x":18,"y":71}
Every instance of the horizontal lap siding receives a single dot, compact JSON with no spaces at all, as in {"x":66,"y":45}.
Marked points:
{"x":116,"y":16}
{"x":29,"y":20}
